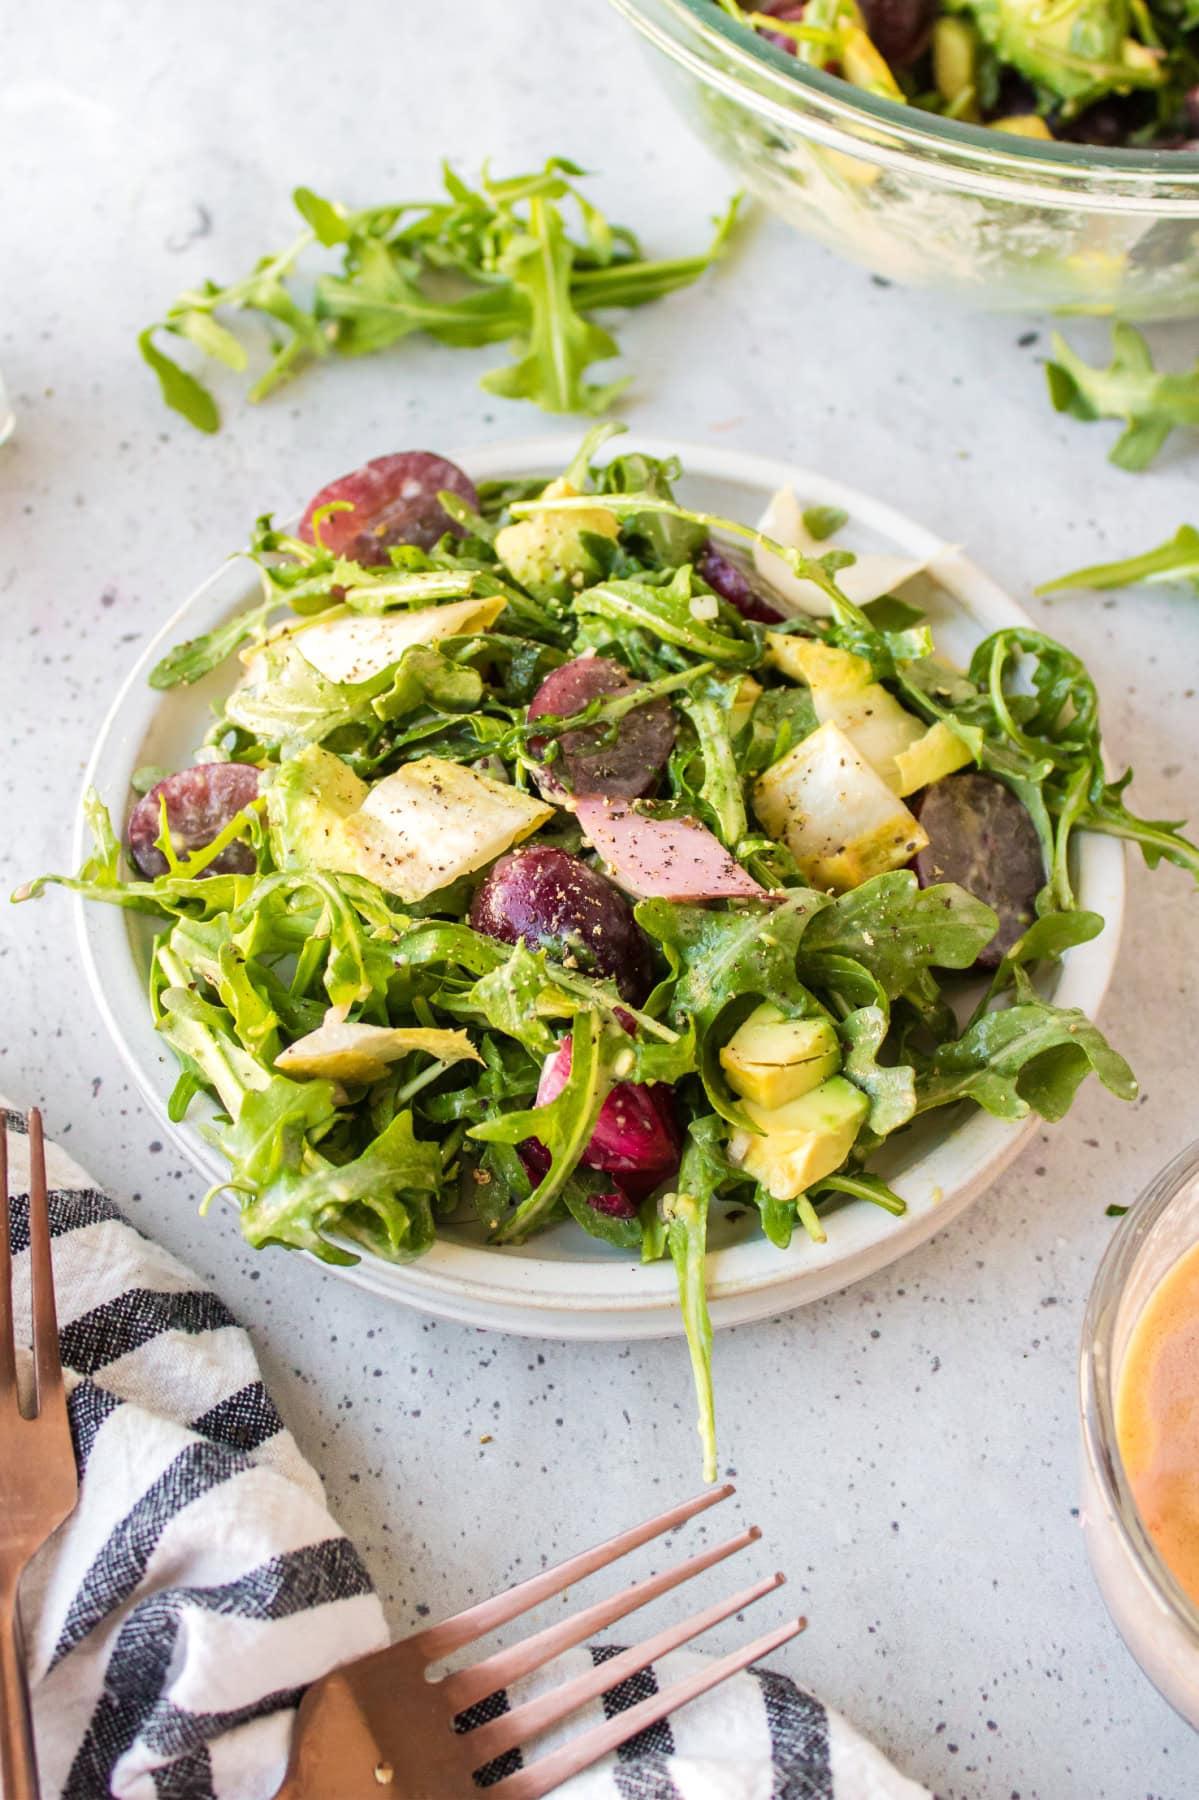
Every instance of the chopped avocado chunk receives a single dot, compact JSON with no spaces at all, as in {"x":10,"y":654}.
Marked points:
{"x":938,"y":753}
{"x":307,"y":804}
{"x":432,"y":821}
{"x":803,"y":1141}
{"x":835,"y":813}
{"x":546,"y":553}
{"x":771,"y":1059}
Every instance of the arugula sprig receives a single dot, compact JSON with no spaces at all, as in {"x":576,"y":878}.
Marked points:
{"x":1177,"y":560}
{"x":1151,"y":404}
{"x":491,"y":264}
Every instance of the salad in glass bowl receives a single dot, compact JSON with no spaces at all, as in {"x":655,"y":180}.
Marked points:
{"x":1105,"y":72}
{"x":563,"y":853}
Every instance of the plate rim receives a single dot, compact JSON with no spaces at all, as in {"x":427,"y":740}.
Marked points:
{"x":560,"y":1297}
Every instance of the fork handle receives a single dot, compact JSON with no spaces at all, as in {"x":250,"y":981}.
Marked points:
{"x":18,"y":1765}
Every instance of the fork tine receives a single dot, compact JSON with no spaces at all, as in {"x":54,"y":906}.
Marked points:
{"x":525,"y":1722}
{"x":506,"y":1666}
{"x":549,"y":1771}
{"x":46,"y":1362}
{"x":465,"y":1627}
{"x":8,"y":1358}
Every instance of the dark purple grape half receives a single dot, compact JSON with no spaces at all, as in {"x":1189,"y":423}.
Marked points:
{"x":200,"y":803}
{"x":558,"y":903}
{"x":631,"y":765}
{"x":394,"y":500}
{"x":982,"y":837}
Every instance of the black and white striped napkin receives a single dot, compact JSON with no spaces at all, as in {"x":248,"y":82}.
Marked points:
{"x":173,"y":1623}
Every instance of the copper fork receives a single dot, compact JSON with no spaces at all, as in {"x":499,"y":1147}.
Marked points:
{"x":383,"y":1723}
{"x":38,"y":1481}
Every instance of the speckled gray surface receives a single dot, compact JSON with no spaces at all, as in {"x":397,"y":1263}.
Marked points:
{"x":908,"y":1447}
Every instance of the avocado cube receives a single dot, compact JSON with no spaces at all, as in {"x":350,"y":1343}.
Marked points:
{"x":771,"y":1059}
{"x":803,"y":1141}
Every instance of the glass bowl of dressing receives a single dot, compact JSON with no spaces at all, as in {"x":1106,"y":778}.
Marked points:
{"x":1139,"y":1379}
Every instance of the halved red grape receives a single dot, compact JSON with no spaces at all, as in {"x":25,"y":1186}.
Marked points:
{"x":395,"y":502}
{"x":627,"y":768}
{"x":727,"y":578}
{"x":558,"y":903}
{"x":200,"y":803}
{"x":981,"y":836}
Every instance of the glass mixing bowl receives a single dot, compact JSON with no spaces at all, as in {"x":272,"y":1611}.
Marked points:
{"x":1156,"y":1618}
{"x":1003,"y":222}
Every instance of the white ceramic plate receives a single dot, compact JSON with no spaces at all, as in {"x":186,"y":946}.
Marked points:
{"x":565,"y":1284}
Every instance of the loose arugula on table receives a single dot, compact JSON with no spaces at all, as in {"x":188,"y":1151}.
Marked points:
{"x":493,"y":264}
{"x":247,"y":963}
{"x":1151,"y":404}
{"x":1177,"y":560}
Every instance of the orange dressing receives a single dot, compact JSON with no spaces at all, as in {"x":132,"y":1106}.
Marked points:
{"x":1157,"y":1419}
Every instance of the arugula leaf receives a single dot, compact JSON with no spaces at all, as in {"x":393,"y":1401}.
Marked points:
{"x":821,"y":522}
{"x":1045,"y":940}
{"x":484,"y":265}
{"x":861,"y":1186}
{"x":559,"y":343}
{"x":382,"y":1199}
{"x":1046,"y":744}
{"x":720,"y":795}
{"x":181,"y":391}
{"x":666,"y":612}
{"x":891,"y":1090}
{"x":426,"y":676}
{"x":564,"y":1126}
{"x":718,"y":957}
{"x":702,"y":1172}
{"x":1151,"y":405}
{"x":894,"y":928}
{"x":669,"y":540}
{"x":1175,"y":560}
{"x":781,"y":717}
{"x":198,"y":656}
{"x":513,"y":997}
{"x":1030,"y":1056}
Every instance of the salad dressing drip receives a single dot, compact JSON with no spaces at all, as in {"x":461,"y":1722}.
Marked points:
{"x":1157,"y":1419}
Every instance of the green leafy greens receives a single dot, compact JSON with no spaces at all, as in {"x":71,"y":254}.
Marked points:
{"x":1177,"y":560}
{"x":281,"y":956}
{"x":1151,"y":404}
{"x":491,"y":264}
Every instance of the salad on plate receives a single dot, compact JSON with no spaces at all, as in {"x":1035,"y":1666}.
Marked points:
{"x":558,"y":852}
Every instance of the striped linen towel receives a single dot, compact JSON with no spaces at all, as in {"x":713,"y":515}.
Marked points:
{"x":173,"y":1623}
